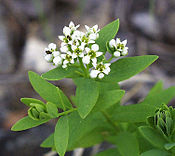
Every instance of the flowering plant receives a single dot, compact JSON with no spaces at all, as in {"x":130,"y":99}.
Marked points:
{"x":94,"y":114}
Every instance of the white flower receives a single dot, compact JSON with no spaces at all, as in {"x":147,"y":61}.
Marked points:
{"x":101,"y":75}
{"x":117,"y":54}
{"x":64,"y":49}
{"x":92,"y":54}
{"x":92,"y":33}
{"x":93,"y":36}
{"x":93,"y":29}
{"x":112,"y":43}
{"x":56,"y":53}
{"x":78,"y":49}
{"x":52,"y":46}
{"x":66,"y":31}
{"x":48,"y":52}
{"x":118,"y":47}
{"x":100,"y":70}
{"x":48,"y":57}
{"x":72,"y":26}
{"x":57,"y":60}
{"x":67,"y":59}
{"x":94,"y":73}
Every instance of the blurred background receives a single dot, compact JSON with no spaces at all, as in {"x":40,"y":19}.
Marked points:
{"x":26,"y":28}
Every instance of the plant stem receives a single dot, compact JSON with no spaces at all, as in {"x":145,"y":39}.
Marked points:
{"x":110,"y":121}
{"x":82,"y":67}
{"x":67,"y":112}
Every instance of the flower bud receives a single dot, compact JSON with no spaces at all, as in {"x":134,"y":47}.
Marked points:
{"x":163,"y":120}
{"x":38,"y":111}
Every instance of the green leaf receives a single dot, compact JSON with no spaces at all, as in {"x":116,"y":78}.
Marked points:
{"x":52,"y":109}
{"x":80,"y":129}
{"x":108,"y":99}
{"x":45,"y":89}
{"x":87,"y":93}
{"x":169,"y":146}
{"x":60,"y":73}
{"x":107,"y":33}
{"x":161,"y":97}
{"x":61,"y":135}
{"x":152,"y":136}
{"x":64,"y":101}
{"x":156,"y":89}
{"x":28,"y":101}
{"x":127,"y":67}
{"x":48,"y":142}
{"x":27,"y":123}
{"x":133,"y":113}
{"x":106,"y":86}
{"x":109,"y":152}
{"x":155,"y":152}
{"x":127,"y":144}
{"x":89,"y":139}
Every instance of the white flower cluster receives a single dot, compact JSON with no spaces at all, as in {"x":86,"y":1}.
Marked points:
{"x":118,"y":47}
{"x":77,"y":46}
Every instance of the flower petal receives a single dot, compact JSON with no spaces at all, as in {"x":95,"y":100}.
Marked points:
{"x":86,"y":59}
{"x":101,"y":75}
{"x":94,"y":73}
{"x":117,"y":54}
{"x":95,"y":47}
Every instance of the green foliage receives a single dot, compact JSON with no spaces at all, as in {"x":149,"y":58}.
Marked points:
{"x":146,"y":128}
{"x":155,"y":138}
{"x":155,"y":90}
{"x":127,"y":144}
{"x":48,"y":142}
{"x":46,"y":90}
{"x":28,"y":101}
{"x":27,"y":123}
{"x":127,"y":67}
{"x":155,"y":152}
{"x":133,"y":113}
{"x":86,"y":88}
{"x":83,"y":129}
{"x":61,"y":135}
{"x":107,"y":33}
{"x":109,"y":152}
{"x":60,"y":73}
{"x":107,"y":99}
{"x":52,"y":109}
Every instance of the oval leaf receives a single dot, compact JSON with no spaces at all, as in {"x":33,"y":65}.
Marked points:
{"x":61,"y":135}
{"x":155,"y":152}
{"x":45,"y":89}
{"x":28,"y":101}
{"x":152,"y":136}
{"x":108,"y":99}
{"x":87,"y":93}
{"x":129,"y":66}
{"x":60,"y":73}
{"x":27,"y":123}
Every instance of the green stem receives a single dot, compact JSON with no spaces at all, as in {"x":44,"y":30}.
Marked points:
{"x":110,"y":121}
{"x":67,"y":112}
{"x":82,"y":67}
